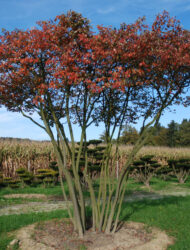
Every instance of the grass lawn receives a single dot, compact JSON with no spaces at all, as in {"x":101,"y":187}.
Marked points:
{"x":169,"y":214}
{"x":9,"y":223}
{"x":11,"y":201}
{"x":54,"y":190}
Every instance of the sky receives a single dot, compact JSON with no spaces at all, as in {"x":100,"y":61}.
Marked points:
{"x":23,"y":14}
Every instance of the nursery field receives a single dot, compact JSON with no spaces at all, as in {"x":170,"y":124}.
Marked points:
{"x":165,"y":205}
{"x":30,"y":155}
{"x":35,"y":155}
{"x":157,"y":191}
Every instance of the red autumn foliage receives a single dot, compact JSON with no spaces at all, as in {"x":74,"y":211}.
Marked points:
{"x":65,"y":52}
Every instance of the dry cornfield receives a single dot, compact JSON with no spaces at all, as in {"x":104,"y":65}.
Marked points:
{"x":34,"y":155}
{"x":160,"y":153}
{"x":29,"y":155}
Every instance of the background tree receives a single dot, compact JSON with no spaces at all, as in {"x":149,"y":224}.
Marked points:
{"x":184,"y":133}
{"x":129,"y":135}
{"x":172,"y":134}
{"x":158,"y":136}
{"x":175,"y":133}
{"x":103,"y":137}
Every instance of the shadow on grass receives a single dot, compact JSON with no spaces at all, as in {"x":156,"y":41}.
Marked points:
{"x":130,"y":208}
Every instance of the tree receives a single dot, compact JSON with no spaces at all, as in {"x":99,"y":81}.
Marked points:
{"x":103,"y":136}
{"x":129,"y":135}
{"x":147,"y":71}
{"x":172,"y":133}
{"x":184,"y":133}
{"x":67,"y":74}
{"x":158,"y":136}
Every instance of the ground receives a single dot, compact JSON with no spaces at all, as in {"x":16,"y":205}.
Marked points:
{"x":54,"y":234}
{"x":59,"y":234}
{"x":49,"y":203}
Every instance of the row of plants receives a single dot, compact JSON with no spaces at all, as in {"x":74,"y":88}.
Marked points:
{"x":46,"y":177}
{"x":49,"y":176}
{"x":142,"y":170}
{"x":146,"y":167}
{"x":38,"y":155}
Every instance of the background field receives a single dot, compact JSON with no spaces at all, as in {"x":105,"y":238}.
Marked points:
{"x":33,"y":155}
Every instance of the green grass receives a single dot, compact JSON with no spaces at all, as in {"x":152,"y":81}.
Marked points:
{"x":160,"y":184}
{"x":169,"y":214}
{"x":9,"y":223}
{"x":54,"y":190}
{"x":12,"y":201}
{"x":157,"y":184}
{"x":51,"y":190}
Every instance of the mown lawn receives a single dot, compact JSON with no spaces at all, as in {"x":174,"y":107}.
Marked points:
{"x":170,"y":214}
{"x":9,"y":223}
{"x":54,"y":190}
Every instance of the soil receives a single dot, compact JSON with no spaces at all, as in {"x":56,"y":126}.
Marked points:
{"x":26,"y":196}
{"x":35,"y":196}
{"x":59,"y":235}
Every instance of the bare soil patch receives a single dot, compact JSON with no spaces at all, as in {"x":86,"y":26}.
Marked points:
{"x":26,"y":196}
{"x":36,"y":196}
{"x":60,"y":234}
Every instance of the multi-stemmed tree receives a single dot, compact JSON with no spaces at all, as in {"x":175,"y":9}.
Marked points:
{"x":66,"y":73}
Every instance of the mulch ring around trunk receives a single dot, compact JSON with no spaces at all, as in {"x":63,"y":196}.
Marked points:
{"x":59,"y":234}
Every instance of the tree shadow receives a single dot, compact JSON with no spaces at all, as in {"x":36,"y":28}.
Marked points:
{"x":136,"y":206}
